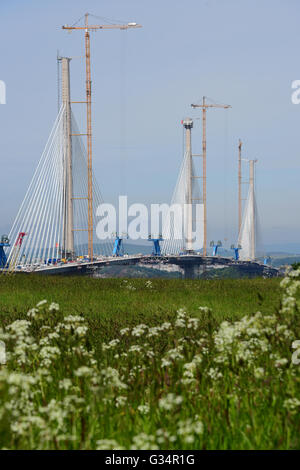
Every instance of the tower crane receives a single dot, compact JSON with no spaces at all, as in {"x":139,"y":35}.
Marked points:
{"x":204,"y":106}
{"x":240,"y":185}
{"x":87,"y":28}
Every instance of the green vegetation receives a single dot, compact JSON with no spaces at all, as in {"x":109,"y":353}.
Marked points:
{"x":111,"y":304}
{"x":230,"y":272}
{"x":162,"y":364}
{"x":136,"y":272}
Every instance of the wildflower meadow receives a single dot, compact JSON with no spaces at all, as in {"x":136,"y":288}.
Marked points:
{"x":191,"y":380}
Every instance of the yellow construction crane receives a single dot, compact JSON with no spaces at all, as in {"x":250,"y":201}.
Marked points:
{"x":204,"y":107}
{"x":240,"y":185}
{"x":87,"y":28}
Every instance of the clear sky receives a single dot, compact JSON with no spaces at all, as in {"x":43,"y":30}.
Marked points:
{"x":241,"y":52}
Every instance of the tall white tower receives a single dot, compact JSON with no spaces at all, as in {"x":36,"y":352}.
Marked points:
{"x":188,"y":125}
{"x":249,"y":230}
{"x":184,"y":232}
{"x":68,"y":229}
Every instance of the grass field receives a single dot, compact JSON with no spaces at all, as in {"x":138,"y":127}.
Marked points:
{"x":110,"y":301}
{"x":137,"y":364}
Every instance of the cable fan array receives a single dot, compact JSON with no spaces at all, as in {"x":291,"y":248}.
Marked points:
{"x":250,"y":236}
{"x":174,"y":230}
{"x":42,"y":213}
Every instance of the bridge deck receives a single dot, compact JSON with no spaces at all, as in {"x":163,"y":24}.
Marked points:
{"x":184,"y":261}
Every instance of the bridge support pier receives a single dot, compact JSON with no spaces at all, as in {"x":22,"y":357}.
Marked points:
{"x":193,"y":271}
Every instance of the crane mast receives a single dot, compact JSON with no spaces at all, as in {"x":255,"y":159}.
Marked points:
{"x":240,"y":185}
{"x":204,"y":106}
{"x":87,"y":28}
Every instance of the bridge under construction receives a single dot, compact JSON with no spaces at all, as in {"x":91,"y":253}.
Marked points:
{"x":54,"y":231}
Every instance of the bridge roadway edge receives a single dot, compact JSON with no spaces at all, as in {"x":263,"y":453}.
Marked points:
{"x":191,"y":264}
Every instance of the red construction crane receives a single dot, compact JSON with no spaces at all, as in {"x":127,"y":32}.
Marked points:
{"x":13,"y":258}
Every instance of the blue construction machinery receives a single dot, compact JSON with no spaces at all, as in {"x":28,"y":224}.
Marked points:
{"x":215,"y":246}
{"x":3,"y":243}
{"x":118,"y":247}
{"x":156,"y":245}
{"x":236,"y":251}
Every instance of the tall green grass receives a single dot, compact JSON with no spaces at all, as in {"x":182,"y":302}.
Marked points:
{"x":109,"y":303}
{"x":149,"y":365}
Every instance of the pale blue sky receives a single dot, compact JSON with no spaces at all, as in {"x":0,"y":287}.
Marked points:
{"x":241,"y":52}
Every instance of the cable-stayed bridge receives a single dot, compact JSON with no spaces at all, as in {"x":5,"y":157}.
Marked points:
{"x":55,"y":228}
{"x":54,"y":213}
{"x":53,"y":216}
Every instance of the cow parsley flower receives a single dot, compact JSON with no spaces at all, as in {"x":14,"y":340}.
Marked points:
{"x":259,"y":372}
{"x":281,"y":362}
{"x":83,"y":371}
{"x":53,"y":307}
{"x":121,"y":401}
{"x":170,"y":401}
{"x":144,"y":409}
{"x":292,"y":404}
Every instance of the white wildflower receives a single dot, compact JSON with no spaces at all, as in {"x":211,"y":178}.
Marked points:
{"x":204,"y":309}
{"x":65,"y":384}
{"x":165,"y":326}
{"x":139,"y":330}
{"x":108,"y":444}
{"x":32,"y":313}
{"x":73,"y":319}
{"x":53,"y":307}
{"x":296,"y":354}
{"x":135,"y":348}
{"x":144,"y":409}
{"x":149,"y":284}
{"x":214,"y":374}
{"x":83,"y":371}
{"x":292,"y":404}
{"x":281,"y":362}
{"x":2,"y":353}
{"x":111,"y":378}
{"x":189,"y":429}
{"x":153,"y":331}
{"x":144,"y":441}
{"x":121,"y":401}
{"x":81,"y":330}
{"x":170,"y":401}
{"x":111,"y":345}
{"x":124,"y":331}
{"x":259,"y":372}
